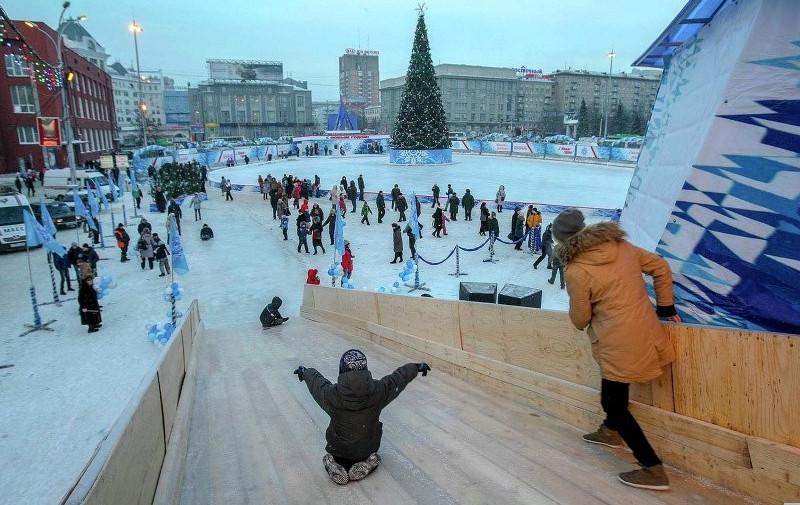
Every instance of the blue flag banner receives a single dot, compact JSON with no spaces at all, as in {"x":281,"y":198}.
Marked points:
{"x":101,"y":195}
{"x":339,"y":233}
{"x":413,"y":217}
{"x":47,"y":221}
{"x":134,"y":184}
{"x":93,"y":207}
{"x":31,"y":236}
{"x":179,"y":263}
{"x":80,"y":210}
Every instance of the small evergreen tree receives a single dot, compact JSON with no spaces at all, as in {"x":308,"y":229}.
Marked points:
{"x":636,"y":126}
{"x":421,"y":122}
{"x":177,"y":179}
{"x":584,"y":127}
{"x":618,"y":122}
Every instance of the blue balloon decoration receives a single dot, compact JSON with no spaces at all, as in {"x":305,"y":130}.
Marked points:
{"x":396,"y":284}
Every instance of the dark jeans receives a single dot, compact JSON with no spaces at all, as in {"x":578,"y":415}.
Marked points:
{"x":285,"y":235}
{"x":381,"y":213}
{"x":124,"y":253}
{"x":468,"y":214}
{"x":330,"y":233}
{"x":228,"y":196}
{"x":365,"y":219}
{"x":354,"y":204}
{"x":435,"y":201}
{"x":542,"y":257}
{"x":318,"y":243}
{"x":360,"y":194}
{"x":64,"y":278}
{"x":614,"y":399}
{"x":150,"y":262}
{"x":302,"y":243}
{"x":402,"y":215}
{"x":557,"y":267}
{"x":138,"y":202}
{"x":197,"y":215}
{"x":397,"y":256}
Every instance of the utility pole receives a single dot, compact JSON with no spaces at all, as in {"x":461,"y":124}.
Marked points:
{"x":611,"y":56}
{"x":136,"y":29}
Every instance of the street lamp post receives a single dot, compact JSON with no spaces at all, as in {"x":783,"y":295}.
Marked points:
{"x":611,"y":56}
{"x":136,"y":29}
{"x":65,"y":109}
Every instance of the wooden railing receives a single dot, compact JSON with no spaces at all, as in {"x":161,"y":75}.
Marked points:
{"x":126,"y":465}
{"x":727,"y":409}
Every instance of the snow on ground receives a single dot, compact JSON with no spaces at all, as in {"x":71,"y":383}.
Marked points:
{"x":553,"y":182}
{"x":67,"y":387}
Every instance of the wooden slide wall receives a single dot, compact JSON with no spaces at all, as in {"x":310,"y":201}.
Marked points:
{"x":728,"y":409}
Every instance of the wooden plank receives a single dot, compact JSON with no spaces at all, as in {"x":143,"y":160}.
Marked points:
{"x":742,"y":380}
{"x":170,"y":378}
{"x":436,"y":319}
{"x":775,"y":460}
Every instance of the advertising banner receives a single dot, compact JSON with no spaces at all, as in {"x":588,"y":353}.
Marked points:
{"x":49,"y":131}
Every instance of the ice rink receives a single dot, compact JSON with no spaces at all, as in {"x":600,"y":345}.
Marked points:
{"x":553,"y":182}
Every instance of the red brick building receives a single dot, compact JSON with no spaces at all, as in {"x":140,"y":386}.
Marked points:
{"x":89,"y":93}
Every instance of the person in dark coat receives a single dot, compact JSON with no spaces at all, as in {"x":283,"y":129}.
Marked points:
{"x":493,"y":226}
{"x":123,"y":239}
{"x":73,"y":254}
{"x":401,"y":205}
{"x":397,"y":241}
{"x":62,"y":265}
{"x":302,"y":235}
{"x":352,"y":194}
{"x":547,"y":249}
{"x":412,"y":239}
{"x":91,"y":256}
{"x":361,"y":188}
{"x":175,"y":209}
{"x":380,"y":203}
{"x":395,"y":194}
{"x":206,"y":233}
{"x":89,"y":307}
{"x":160,"y":199}
{"x":484,"y":217}
{"x":517,"y":227}
{"x":417,"y":205}
{"x":316,"y":236}
{"x":453,"y":201}
{"x":271,"y":316}
{"x":354,"y":404}
{"x":437,"y":222}
{"x":435,"y":190}
{"x":18,"y":184}
{"x":143,"y":223}
{"x":330,"y":222}
{"x":468,"y":201}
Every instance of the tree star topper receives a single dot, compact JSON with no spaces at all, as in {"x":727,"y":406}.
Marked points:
{"x":421,"y":8}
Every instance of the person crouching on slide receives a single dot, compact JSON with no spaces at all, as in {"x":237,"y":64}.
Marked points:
{"x":354,"y":405}
{"x":270,"y":315}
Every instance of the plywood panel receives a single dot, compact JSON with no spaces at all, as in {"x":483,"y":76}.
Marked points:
{"x":170,"y":377}
{"x":360,"y":304}
{"x":745,"y":381}
{"x":432,"y":319}
{"x":131,"y":472}
{"x":537,"y":340}
{"x":327,"y":298}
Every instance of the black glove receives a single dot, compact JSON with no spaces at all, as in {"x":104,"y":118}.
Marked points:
{"x":424,"y":368}
{"x":301,"y":370}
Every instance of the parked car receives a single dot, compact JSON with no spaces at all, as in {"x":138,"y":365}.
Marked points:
{"x":62,"y":213}
{"x":559,"y":139}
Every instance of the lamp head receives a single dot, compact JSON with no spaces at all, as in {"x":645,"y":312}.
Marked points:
{"x":81,"y":19}
{"x":30,"y":24}
{"x":65,"y":5}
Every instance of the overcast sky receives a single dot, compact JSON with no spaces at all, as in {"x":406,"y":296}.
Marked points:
{"x":309,"y":36}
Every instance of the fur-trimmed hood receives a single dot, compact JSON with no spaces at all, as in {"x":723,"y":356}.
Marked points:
{"x":592,"y":238}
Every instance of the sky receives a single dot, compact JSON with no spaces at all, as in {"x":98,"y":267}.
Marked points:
{"x":309,"y":36}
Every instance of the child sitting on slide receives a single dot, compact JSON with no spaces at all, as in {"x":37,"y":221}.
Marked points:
{"x":355,"y":404}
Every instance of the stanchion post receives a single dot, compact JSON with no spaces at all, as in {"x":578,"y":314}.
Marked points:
{"x":56,"y":300}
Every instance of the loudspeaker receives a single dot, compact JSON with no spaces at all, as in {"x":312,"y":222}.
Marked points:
{"x":521,"y":296}
{"x":485,"y":292}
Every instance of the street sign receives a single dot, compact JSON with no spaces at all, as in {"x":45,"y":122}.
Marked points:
{"x":49,"y":131}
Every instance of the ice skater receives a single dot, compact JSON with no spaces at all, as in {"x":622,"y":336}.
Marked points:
{"x":354,"y":405}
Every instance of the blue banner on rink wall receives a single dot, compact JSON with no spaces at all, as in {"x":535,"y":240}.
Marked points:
{"x":420,"y":156}
{"x":578,"y":150}
{"x":724,"y":210}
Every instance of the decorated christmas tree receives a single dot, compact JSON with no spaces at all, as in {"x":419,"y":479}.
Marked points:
{"x":421,"y":122}
{"x":177,"y":179}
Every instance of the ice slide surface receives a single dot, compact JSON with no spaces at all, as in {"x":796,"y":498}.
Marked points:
{"x":257,"y":436}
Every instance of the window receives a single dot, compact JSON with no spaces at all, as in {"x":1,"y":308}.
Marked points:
{"x":27,"y":135}
{"x":301,"y":101}
{"x":16,"y":67}
{"x":22,"y":99}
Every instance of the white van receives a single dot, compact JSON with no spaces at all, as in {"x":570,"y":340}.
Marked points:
{"x":456,"y":136}
{"x":56,"y":183}
{"x":12,"y":223}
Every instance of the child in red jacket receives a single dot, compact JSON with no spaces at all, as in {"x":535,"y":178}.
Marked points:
{"x":347,"y":262}
{"x":312,"y":278}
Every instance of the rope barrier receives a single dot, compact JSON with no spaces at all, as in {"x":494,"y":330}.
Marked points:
{"x":515,"y":242}
{"x":465,"y":249}
{"x":437,"y":262}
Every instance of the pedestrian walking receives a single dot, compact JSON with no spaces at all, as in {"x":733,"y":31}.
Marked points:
{"x":137,"y":196}
{"x":547,"y":249}
{"x":88,"y":305}
{"x":302,"y":235}
{"x":401,"y":206}
{"x":123,"y":239}
{"x":316,"y":236}
{"x":330,"y":222}
{"x":608,"y":295}
{"x":453,"y":202}
{"x":500,"y":198}
{"x":61,"y":263}
{"x":285,"y":223}
{"x":227,"y":189}
{"x":437,"y":222}
{"x":175,"y":210}
{"x":468,"y":201}
{"x":412,"y":238}
{"x":361,"y":188}
{"x":435,"y":190}
{"x":160,"y":199}
{"x":380,"y":203}
{"x":145,"y":248}
{"x":195,"y":204}
{"x":395,"y":194}
{"x":484,"y":217}
{"x":347,"y":262}
{"x":161,"y":253}
{"x":397,"y":243}
{"x":352,"y":194}
{"x":365,"y":212}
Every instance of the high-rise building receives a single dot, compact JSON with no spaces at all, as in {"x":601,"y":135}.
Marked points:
{"x":359,"y":78}
{"x":127,"y":100}
{"x":251,"y":99}
{"x":23,"y":99}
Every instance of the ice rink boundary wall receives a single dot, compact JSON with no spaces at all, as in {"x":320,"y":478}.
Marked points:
{"x":126,"y":465}
{"x":727,"y":409}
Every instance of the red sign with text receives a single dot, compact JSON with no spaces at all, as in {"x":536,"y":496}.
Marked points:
{"x":49,"y":131}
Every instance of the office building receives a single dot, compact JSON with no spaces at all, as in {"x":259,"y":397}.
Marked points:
{"x":251,"y":99}
{"x":79,"y":40}
{"x":21,"y":101}
{"x":127,"y":101}
{"x":359,"y":78}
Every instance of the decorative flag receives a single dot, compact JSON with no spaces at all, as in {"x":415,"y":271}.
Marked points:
{"x":80,"y":210}
{"x":116,"y":193}
{"x":413,"y":218}
{"x":93,"y":207}
{"x":339,"y":233}
{"x":134,"y":184}
{"x":101,"y":195}
{"x":47,"y":221}
{"x":179,"y":263}
{"x":36,"y":235}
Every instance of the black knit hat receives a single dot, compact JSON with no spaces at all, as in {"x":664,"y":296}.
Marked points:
{"x":567,"y":224}
{"x":352,"y":360}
